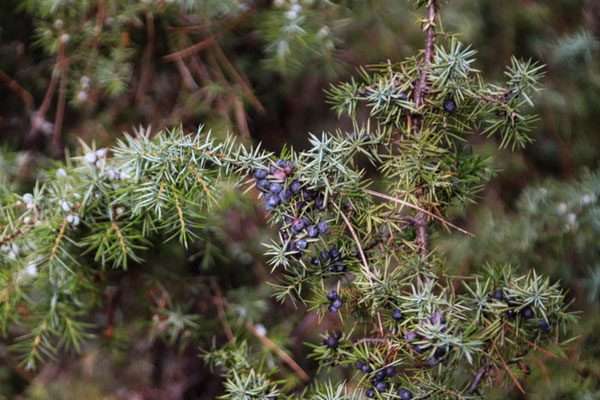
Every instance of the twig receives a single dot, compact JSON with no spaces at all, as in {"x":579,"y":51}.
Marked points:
{"x":508,"y":328}
{"x":507,"y":369}
{"x":428,"y":53}
{"x":410,"y":205}
{"x":18,"y":89}
{"x":362,"y":255}
{"x":269,"y":343}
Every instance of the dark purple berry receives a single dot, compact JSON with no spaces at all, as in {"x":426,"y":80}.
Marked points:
{"x":370,"y":393}
{"x":331,"y":342}
{"x":390,"y":371}
{"x":403,"y":96}
{"x":332,"y":295}
{"x":280,"y":163}
{"x":296,"y":187}
{"x":298,"y":224}
{"x":285,"y":195}
{"x":308,"y":194}
{"x":302,"y":244}
{"x":359,"y":364}
{"x":382,"y":386}
{"x":418,"y":348}
{"x":322,"y":227}
{"x":397,"y":315}
{"x":337,"y":303}
{"x":546,"y":326}
{"x":315,"y":261}
{"x":374,"y":380}
{"x":319,"y":203}
{"x":312,"y":231}
{"x":527,"y":313}
{"x":332,"y":308}
{"x":527,"y":369}
{"x":410,"y":335}
{"x":498,"y":295}
{"x":335,"y":254}
{"x":366,"y":368}
{"x":273,"y":200}
{"x":275,"y":187}
{"x":509,"y":313}
{"x":260,"y":173}
{"x":381,"y":374}
{"x":325,"y":255}
{"x":405,"y":394}
{"x":263,"y":185}
{"x":449,"y":106}
{"x":437,"y":318}
{"x":439,"y":352}
{"x":340,"y":267}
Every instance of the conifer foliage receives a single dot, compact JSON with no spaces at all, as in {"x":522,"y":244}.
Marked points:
{"x":345,"y":249}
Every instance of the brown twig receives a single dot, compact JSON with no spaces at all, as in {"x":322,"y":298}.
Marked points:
{"x":270,"y":344}
{"x":507,"y":368}
{"x":362,"y":255}
{"x":413,"y":206}
{"x":18,"y":89}
{"x":546,"y":352}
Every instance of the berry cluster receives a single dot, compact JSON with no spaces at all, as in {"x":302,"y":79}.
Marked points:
{"x":336,"y":302}
{"x":379,"y":380}
{"x":526,"y":312}
{"x":332,"y":259}
{"x":278,"y":188}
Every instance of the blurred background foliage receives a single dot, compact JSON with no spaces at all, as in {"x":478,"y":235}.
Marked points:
{"x":90,"y":70}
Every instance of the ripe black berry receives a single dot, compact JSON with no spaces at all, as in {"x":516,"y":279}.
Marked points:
{"x":403,"y":96}
{"x":527,"y":312}
{"x":449,"y":106}
{"x":498,"y":295}
{"x":397,"y":315}
{"x":332,"y":295}
{"x":359,"y":364}
{"x":319,"y":203}
{"x":405,"y":394}
{"x":390,"y":371}
{"x":308,"y":194}
{"x":295,"y":187}
{"x":546,"y":326}
{"x":331,"y":342}
{"x":312,"y":231}
{"x":335,"y":254}
{"x":302,"y":244}
{"x":315,"y":261}
{"x":275,"y":187}
{"x":260,"y":173}
{"x":322,"y":227}
{"x":263,"y":185}
{"x":418,"y":348}
{"x":332,"y":308}
{"x":272,"y":200}
{"x":337,"y":303}
{"x":285,"y":195}
{"x":382,"y":386}
{"x":381,"y":374}
{"x":374,"y":380}
{"x":298,"y":224}
{"x":370,"y":393}
{"x":366,"y":368}
{"x":410,"y":335}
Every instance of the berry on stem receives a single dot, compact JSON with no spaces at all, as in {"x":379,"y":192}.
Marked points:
{"x":260,"y":173}
{"x":405,"y":394}
{"x":397,"y":315}
{"x":449,"y":105}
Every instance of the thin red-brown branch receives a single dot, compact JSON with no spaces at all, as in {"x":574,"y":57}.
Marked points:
{"x":507,"y":368}
{"x":362,"y":256}
{"x":431,"y":11}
